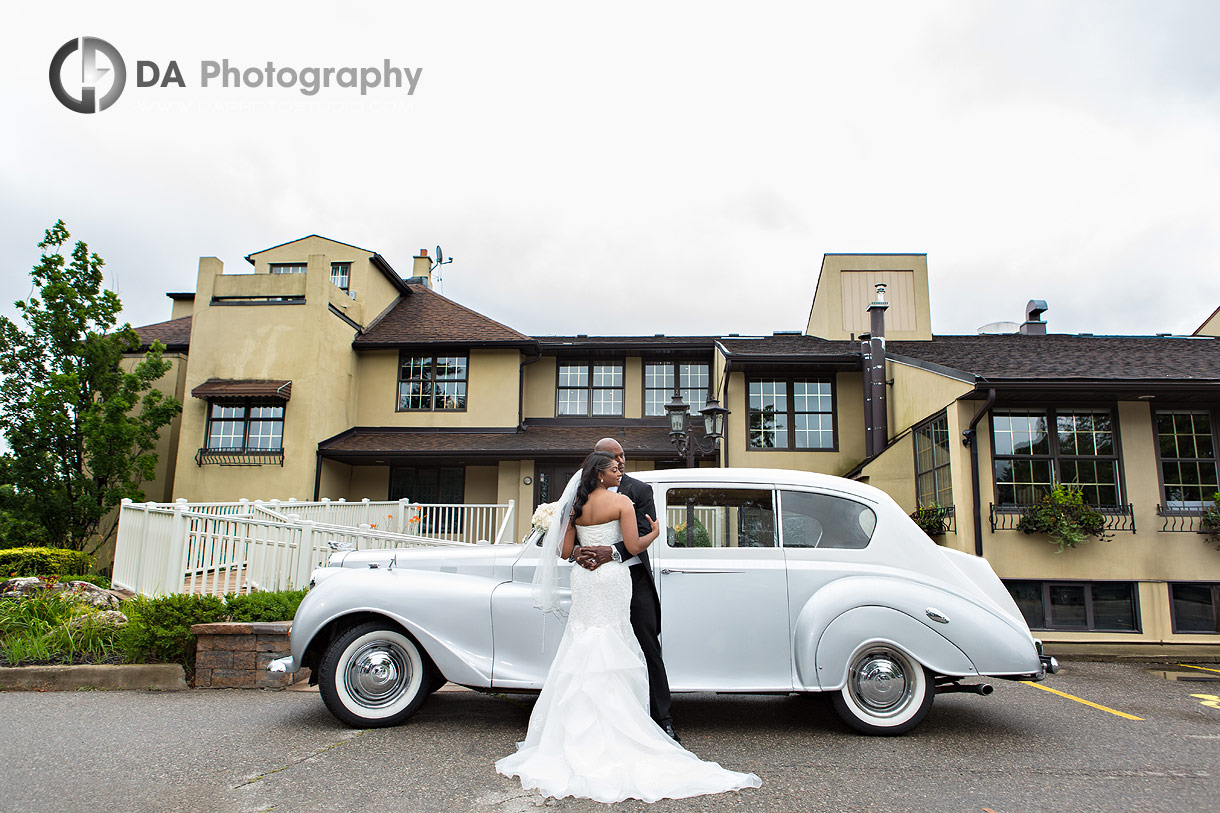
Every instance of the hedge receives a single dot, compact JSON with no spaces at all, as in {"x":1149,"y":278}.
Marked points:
{"x":43,"y":562}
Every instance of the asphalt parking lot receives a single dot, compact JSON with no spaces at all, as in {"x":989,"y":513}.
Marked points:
{"x":1147,"y":743}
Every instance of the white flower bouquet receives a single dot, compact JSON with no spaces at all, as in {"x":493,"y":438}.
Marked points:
{"x":544,"y":515}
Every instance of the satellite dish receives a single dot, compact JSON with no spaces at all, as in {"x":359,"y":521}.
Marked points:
{"x":440,"y":257}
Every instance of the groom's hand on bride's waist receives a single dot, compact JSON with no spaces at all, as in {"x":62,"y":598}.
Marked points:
{"x":593,"y":556}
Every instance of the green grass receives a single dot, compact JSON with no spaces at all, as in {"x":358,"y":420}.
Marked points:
{"x":44,"y":629}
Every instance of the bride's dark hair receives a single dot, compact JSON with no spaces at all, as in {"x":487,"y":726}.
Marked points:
{"x":594,"y":465}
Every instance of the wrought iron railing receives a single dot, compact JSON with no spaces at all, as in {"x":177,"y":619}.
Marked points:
{"x":235,"y":457}
{"x":1187,"y":519}
{"x":936,"y":519}
{"x":1008,"y":517}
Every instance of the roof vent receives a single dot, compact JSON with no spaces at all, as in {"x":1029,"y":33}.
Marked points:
{"x":786,"y":333}
{"x":998,"y":328}
{"x":1034,"y":326}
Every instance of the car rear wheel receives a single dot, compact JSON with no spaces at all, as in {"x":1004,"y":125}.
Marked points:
{"x":373,"y":676}
{"x":887,"y":691}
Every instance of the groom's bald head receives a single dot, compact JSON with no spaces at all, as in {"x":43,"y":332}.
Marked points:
{"x":613,"y":447}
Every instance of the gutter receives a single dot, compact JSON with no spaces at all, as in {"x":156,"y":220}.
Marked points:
{"x":969,"y":439}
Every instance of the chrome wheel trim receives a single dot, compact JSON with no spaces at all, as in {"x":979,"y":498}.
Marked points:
{"x":377,"y":673}
{"x":882,"y":683}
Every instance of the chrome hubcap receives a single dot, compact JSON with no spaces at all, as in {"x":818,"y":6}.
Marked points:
{"x":879,"y":683}
{"x":377,"y":674}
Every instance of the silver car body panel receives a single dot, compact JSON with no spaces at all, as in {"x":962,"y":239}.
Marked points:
{"x":733,"y":620}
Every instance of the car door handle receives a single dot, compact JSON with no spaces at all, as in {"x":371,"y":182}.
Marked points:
{"x":666,"y":571}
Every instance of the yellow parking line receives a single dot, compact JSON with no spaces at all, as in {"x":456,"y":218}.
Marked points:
{"x":1204,"y":668}
{"x":1122,"y":714}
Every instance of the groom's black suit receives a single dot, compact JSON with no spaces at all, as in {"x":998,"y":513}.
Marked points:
{"x":645,"y":604}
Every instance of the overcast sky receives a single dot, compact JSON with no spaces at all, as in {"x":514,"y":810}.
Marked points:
{"x":648,"y":167}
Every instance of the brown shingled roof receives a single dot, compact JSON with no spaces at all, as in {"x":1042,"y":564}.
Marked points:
{"x":174,"y":334}
{"x":426,"y":317}
{"x":1063,"y":356}
{"x":361,"y":443}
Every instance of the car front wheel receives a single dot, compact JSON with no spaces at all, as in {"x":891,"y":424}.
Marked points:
{"x":887,"y":691}
{"x":373,"y":676}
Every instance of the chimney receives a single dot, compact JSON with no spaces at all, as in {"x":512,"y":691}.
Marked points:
{"x":876,"y":414}
{"x":1034,"y":326}
{"x":421,"y":270}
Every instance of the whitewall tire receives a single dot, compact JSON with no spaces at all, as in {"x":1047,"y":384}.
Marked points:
{"x":373,"y":676}
{"x":887,"y":691}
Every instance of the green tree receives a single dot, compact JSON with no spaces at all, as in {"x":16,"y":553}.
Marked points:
{"x":80,"y":429}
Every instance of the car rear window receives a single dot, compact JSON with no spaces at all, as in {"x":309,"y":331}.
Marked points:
{"x":822,"y":521}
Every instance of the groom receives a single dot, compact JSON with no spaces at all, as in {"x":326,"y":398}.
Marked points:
{"x":645,"y":605}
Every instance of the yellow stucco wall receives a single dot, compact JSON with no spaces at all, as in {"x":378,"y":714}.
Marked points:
{"x":917,"y":394}
{"x":491,"y":392}
{"x":304,"y":343}
{"x":540,"y":388}
{"x":849,"y":421}
{"x":826,"y":315}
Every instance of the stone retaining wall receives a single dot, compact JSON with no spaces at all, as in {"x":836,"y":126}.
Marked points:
{"x":235,"y":655}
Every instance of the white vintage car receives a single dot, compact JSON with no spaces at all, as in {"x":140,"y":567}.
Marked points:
{"x":770,"y":581}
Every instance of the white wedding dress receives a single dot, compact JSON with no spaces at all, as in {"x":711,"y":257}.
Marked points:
{"x":589,"y":733}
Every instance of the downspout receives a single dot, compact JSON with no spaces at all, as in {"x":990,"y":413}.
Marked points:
{"x":317,"y":474}
{"x":521,"y":390}
{"x":968,"y":438}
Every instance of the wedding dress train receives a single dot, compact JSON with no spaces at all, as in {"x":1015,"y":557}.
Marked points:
{"x":589,"y":733}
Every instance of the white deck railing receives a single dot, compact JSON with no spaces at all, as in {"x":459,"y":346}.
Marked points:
{"x":217,"y":548}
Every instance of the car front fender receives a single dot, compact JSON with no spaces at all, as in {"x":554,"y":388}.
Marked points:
{"x":448,"y":614}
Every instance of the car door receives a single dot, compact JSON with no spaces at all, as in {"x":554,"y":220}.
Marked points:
{"x":825,"y":538}
{"x":724,"y":597}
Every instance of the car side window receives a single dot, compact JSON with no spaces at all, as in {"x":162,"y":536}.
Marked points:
{"x":720,"y":518}
{"x":823,"y":521}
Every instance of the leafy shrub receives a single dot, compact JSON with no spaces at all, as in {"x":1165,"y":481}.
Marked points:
{"x":160,"y":628}
{"x":1063,"y":516}
{"x":43,"y":562}
{"x":699,"y":538}
{"x":275,"y":606}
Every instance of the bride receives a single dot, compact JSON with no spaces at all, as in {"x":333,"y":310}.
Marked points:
{"x":589,"y":733}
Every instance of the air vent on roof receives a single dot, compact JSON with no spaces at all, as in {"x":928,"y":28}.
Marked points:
{"x":582,"y":335}
{"x":1084,"y":334}
{"x":658,"y":335}
{"x":786,"y":333}
{"x":997,"y":328}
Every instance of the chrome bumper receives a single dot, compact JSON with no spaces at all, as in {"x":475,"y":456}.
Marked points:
{"x":282,"y":665}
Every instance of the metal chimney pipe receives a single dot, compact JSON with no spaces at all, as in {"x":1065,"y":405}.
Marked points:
{"x":878,"y":425}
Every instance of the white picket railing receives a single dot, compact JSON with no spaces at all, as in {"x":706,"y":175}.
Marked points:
{"x":217,"y":548}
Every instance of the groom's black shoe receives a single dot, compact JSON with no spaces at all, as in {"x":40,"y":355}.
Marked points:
{"x":668,"y":728}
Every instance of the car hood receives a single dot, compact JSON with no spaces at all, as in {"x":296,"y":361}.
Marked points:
{"x":490,"y":561}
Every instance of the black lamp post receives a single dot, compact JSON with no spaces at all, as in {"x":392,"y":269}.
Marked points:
{"x":679,"y":427}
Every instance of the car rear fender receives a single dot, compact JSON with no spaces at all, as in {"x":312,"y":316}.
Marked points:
{"x":447,"y":614}
{"x":864,"y":625}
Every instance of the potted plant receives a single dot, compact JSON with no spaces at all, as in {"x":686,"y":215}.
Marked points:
{"x":1063,"y":516}
{"x":931,"y":519}
{"x":1209,"y":522}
